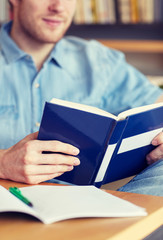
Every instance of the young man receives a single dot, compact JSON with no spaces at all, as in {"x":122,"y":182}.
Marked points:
{"x":37,"y":64}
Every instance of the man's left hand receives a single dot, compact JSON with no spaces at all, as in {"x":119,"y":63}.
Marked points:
{"x":157,"y":153}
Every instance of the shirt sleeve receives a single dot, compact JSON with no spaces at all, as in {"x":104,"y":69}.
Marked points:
{"x":129,"y":87}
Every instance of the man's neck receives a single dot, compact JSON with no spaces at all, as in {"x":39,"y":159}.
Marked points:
{"x":37,"y":50}
{"x":40,"y":54}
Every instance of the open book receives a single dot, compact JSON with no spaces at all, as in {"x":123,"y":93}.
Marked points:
{"x":56,"y":203}
{"x":111,"y":148}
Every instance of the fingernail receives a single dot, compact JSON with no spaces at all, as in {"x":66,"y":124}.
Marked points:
{"x":70,"y":168}
{"x":76,"y":162}
{"x":148,"y":160}
{"x":76,"y":151}
{"x":154,"y":142}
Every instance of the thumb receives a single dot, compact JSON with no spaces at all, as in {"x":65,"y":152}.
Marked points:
{"x":32,"y":136}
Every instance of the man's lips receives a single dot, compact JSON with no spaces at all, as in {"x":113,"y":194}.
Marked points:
{"x":52,"y":22}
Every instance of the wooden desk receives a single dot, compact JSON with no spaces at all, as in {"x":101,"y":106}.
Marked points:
{"x":22,"y":227}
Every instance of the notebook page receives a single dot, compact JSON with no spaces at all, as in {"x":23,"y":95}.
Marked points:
{"x":55,"y":203}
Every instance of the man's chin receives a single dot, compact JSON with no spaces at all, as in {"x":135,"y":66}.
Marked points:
{"x":52,"y":39}
{"x":48,"y":40}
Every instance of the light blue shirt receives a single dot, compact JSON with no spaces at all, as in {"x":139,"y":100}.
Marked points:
{"x":76,"y":70}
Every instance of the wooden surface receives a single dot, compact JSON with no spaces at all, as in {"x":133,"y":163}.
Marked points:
{"x":22,"y":227}
{"x":148,"y":46}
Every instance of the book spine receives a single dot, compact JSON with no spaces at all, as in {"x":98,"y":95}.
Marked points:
{"x":161,"y":10}
{"x":87,"y":9}
{"x":94,"y":11}
{"x":79,"y":13}
{"x":149,"y":13}
{"x":158,"y":4}
{"x":134,"y":11}
{"x":4,"y":11}
{"x":146,"y":9}
{"x":117,"y":12}
{"x":125,"y":11}
{"x":141,"y":10}
{"x":110,"y":6}
{"x":101,"y":11}
{"x":112,"y":149}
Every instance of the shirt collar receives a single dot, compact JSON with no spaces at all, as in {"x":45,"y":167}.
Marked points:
{"x":58,"y":53}
{"x":64,"y":50}
{"x":11,"y":51}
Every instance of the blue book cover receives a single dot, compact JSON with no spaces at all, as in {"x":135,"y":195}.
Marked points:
{"x":133,"y":144}
{"x":110,"y":149}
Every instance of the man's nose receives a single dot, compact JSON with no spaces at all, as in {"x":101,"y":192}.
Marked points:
{"x":56,"y":6}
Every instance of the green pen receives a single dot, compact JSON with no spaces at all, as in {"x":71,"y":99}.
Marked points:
{"x":16,"y":192}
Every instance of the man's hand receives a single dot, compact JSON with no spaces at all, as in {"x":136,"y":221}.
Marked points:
{"x":25,"y":161}
{"x":157,"y":153}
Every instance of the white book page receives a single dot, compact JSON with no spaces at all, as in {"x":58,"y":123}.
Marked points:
{"x":101,"y":112}
{"x":132,"y":111}
{"x":83,"y":107}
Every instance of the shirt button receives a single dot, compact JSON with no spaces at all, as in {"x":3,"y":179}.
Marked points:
{"x":37,"y":124}
{"x":28,"y":57}
{"x":37,"y":85}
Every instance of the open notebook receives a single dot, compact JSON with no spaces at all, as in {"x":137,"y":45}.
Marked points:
{"x":56,"y":203}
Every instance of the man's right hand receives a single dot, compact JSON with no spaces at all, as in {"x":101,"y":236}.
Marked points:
{"x":25,"y":161}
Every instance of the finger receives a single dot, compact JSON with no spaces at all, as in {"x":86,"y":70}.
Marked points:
{"x":32,"y":136}
{"x":158,"y":139}
{"x":45,"y":169}
{"x":52,"y":146}
{"x":56,"y":159}
{"x":35,"y":179}
{"x":155,"y":155}
{"x":37,"y":158}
